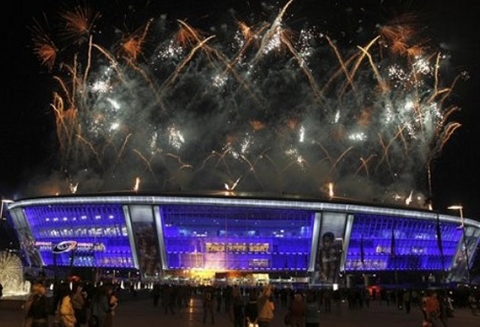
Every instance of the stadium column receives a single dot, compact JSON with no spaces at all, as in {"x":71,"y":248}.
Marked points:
{"x":459,"y":207}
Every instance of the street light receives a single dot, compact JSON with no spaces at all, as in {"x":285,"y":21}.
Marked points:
{"x":459,"y":207}
{"x":3,"y":201}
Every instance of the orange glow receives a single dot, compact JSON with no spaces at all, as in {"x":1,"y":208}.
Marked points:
{"x":43,"y":46}
{"x":132,"y":46}
{"x":257,"y":125}
{"x":79,"y":23}
{"x":401,"y":36}
{"x":187,"y":35}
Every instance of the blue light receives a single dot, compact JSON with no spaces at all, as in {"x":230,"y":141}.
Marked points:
{"x":380,"y":242}
{"x":365,"y":233}
{"x":100,"y":233}
{"x":241,"y":238}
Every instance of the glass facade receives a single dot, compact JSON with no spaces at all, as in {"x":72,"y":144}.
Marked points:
{"x":156,"y":234}
{"x":465,"y":253}
{"x":99,"y":230}
{"x":380,"y":242}
{"x":226,"y":238}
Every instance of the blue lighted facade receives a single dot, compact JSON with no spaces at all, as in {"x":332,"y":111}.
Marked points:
{"x":156,"y":234}
{"x":241,"y":238}
{"x":379,"y":242}
{"x":100,"y":231}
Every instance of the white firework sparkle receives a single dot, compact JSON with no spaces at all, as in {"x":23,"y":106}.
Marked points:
{"x":351,"y":112}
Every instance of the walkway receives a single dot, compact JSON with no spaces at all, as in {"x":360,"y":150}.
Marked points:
{"x":142,"y":313}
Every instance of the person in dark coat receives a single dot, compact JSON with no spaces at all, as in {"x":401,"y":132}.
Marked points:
{"x":208,"y":303}
{"x":99,"y":307}
{"x":251,"y":309}
{"x":237,"y":308}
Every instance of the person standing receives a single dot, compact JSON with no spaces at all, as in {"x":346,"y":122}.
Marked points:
{"x":99,"y":307}
{"x":156,"y":294}
{"x":237,"y":308}
{"x":337,"y":299}
{"x":112,"y":303}
{"x":433,"y":311}
{"x":327,"y":300}
{"x":473,"y":303}
{"x":218,"y":297}
{"x":79,"y":306}
{"x":228,"y":297}
{"x":37,"y":307}
{"x":208,"y":299}
{"x":312,"y":313}
{"x":65,"y":312}
{"x":407,"y":300}
{"x":251,"y":309}
{"x":169,"y":298}
{"x":297,"y":311}
{"x":265,"y":307}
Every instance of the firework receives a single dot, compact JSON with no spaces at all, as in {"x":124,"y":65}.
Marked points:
{"x":253,"y":107}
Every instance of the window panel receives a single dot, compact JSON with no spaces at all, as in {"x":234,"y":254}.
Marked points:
{"x":397,"y":243}
{"x":222,"y":238}
{"x":99,"y":231}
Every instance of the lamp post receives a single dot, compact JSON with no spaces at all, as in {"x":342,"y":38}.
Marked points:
{"x":3,"y":202}
{"x":459,"y":207}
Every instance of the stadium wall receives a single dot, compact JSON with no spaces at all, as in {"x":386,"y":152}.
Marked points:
{"x":160,"y":233}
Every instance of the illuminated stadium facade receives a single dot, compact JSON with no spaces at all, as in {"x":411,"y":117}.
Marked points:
{"x":165,"y":234}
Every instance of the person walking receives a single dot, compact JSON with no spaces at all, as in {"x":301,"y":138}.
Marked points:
{"x":265,"y":307}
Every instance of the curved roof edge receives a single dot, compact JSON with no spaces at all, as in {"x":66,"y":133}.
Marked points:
{"x":233,"y":199}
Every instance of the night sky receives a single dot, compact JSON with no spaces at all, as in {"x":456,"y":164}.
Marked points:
{"x":28,"y":143}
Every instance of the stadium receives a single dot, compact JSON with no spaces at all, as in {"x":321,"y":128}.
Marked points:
{"x":286,"y":116}
{"x":240,"y":237}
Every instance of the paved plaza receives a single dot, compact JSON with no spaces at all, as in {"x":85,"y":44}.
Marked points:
{"x":141,"y":313}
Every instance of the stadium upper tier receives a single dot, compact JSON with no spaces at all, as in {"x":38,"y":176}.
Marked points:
{"x":157,"y":233}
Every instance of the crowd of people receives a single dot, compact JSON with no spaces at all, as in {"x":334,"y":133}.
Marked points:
{"x":256,"y":306}
{"x":71,"y":305}
{"x":85,"y":305}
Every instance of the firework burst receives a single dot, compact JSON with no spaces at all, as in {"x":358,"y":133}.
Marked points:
{"x":43,"y":46}
{"x":259,"y":107}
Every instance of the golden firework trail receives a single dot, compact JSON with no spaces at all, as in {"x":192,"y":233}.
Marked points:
{"x":262,"y":101}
